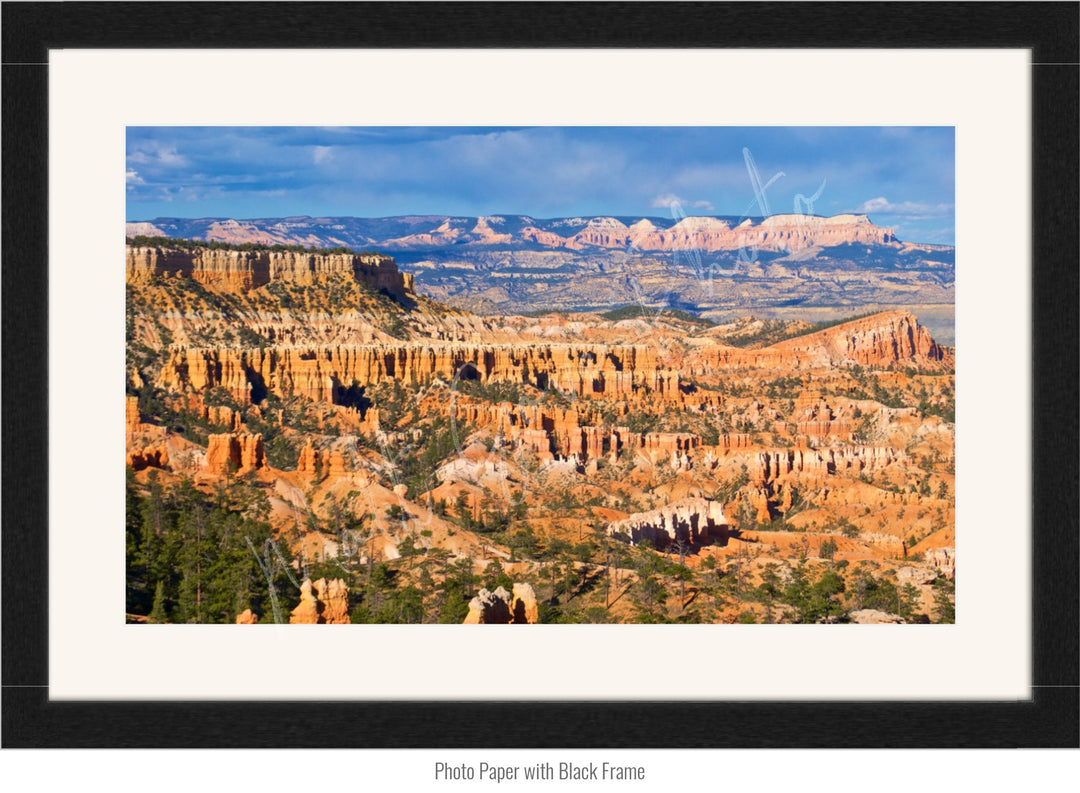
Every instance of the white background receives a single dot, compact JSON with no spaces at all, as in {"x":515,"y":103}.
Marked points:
{"x":94,"y":95}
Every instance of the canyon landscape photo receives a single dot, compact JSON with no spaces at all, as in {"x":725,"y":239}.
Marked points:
{"x":540,"y":375}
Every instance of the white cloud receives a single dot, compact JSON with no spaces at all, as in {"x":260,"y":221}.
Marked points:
{"x":322,"y":154}
{"x":665,"y":200}
{"x":910,"y":209}
{"x":132,"y":178}
{"x":152,"y":153}
{"x":668,"y":200}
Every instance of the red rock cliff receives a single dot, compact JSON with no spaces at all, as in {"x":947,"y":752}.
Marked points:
{"x":324,"y":373}
{"x":242,"y":270}
{"x":877,"y":340}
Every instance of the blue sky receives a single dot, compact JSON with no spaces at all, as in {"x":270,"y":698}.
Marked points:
{"x":902,"y":177}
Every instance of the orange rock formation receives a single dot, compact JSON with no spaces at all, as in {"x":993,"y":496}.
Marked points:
{"x":878,"y":340}
{"x":694,"y":521}
{"x":322,"y":603}
{"x":943,"y":560}
{"x":242,"y":270}
{"x":817,"y":464}
{"x":150,"y":456}
{"x":131,"y":416}
{"x":234,"y":452}
{"x":325,"y":374}
{"x":504,"y":608}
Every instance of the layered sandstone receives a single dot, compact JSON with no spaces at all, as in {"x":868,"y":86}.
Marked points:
{"x":758,"y":499}
{"x":878,"y":340}
{"x":331,"y":373}
{"x":322,"y":602}
{"x":943,"y":560}
{"x":524,"y":605}
{"x":553,"y":433}
{"x":327,"y":374}
{"x":152,"y":455}
{"x":504,"y":608}
{"x":335,"y":463}
{"x":817,"y":464}
{"x":234,"y":452}
{"x":916,"y":576}
{"x":131,"y":416}
{"x":817,"y":419}
{"x":884,"y":338}
{"x":694,"y":521}
{"x":776,"y":233}
{"x":230,"y":270}
{"x":147,"y":444}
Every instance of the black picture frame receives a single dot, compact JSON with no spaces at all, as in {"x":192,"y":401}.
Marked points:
{"x":1049,"y":719}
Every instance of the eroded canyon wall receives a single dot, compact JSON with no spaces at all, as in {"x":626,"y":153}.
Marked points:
{"x":229,"y":270}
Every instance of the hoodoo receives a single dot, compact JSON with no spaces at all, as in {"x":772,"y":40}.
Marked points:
{"x":310,"y":416}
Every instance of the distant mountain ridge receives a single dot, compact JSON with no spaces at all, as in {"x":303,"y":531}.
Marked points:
{"x":419,"y":233}
{"x":717,"y":267}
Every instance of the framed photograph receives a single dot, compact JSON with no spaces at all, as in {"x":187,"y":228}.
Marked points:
{"x":735,"y":362}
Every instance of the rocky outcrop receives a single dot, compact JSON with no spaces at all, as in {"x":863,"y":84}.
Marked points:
{"x":788,"y":233}
{"x":694,"y":521}
{"x":732,"y":441}
{"x":523,"y":606}
{"x":332,"y":463}
{"x":916,"y":576}
{"x":150,"y":455}
{"x":888,"y":337}
{"x":230,"y":270}
{"x":223,"y":416}
{"x":758,"y":499}
{"x":504,"y":608}
{"x":885,"y":544}
{"x":337,"y":466}
{"x":817,"y":430}
{"x":310,"y":459}
{"x":329,"y":374}
{"x":322,"y":602}
{"x":234,"y":452}
{"x":656,"y":446}
{"x":776,"y":233}
{"x":554,"y":433}
{"x":147,"y":444}
{"x":943,"y":560}
{"x":817,"y":419}
{"x":817,"y":464}
{"x":131,"y":416}
{"x":878,"y":340}
{"x":246,"y":617}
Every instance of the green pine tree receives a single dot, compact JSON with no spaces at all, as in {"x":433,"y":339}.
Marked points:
{"x":157,"y":613}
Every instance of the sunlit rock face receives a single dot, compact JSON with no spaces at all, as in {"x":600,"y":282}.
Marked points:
{"x":692,"y":521}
